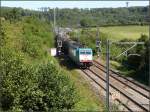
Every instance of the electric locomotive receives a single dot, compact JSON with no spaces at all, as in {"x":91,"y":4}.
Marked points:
{"x":79,"y":54}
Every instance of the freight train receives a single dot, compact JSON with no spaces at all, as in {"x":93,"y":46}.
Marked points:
{"x":80,"y":55}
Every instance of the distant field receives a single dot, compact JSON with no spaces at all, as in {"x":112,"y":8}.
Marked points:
{"x":121,"y":32}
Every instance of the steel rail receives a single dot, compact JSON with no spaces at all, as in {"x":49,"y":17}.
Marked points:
{"x":146,"y":96}
{"x":105,"y":90}
{"x":139,"y":85}
{"x":120,"y":91}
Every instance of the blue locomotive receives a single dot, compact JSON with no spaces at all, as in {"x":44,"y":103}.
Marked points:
{"x":79,"y":54}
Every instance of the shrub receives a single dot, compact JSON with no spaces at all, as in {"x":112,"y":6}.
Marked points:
{"x":16,"y":77}
{"x":60,"y":92}
{"x":32,"y":46}
{"x":25,"y":88}
{"x":32,"y":87}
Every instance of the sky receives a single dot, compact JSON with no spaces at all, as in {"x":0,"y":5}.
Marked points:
{"x":71,"y":4}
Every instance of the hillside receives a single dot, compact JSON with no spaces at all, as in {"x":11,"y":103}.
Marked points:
{"x":101,"y":16}
{"x":33,"y":80}
{"x":30,"y":36}
{"x":27,"y":70}
{"x":87,"y":17}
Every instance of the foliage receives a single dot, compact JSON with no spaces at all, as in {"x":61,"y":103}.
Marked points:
{"x":30,"y":35}
{"x":32,"y":41}
{"x":138,"y":61}
{"x":141,"y":48}
{"x":16,"y":78}
{"x":60,"y":93}
{"x":85,"y":22}
{"x":13,"y":15}
{"x":25,"y":87}
{"x":143,"y":66}
{"x":29,"y":82}
{"x":3,"y":38}
{"x":32,"y":46}
{"x":101,"y":16}
{"x":85,"y":17}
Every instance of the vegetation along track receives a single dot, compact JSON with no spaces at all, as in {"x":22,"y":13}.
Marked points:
{"x":120,"y":83}
{"x":141,"y":89}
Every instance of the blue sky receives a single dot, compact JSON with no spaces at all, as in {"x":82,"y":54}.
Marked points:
{"x":71,"y":4}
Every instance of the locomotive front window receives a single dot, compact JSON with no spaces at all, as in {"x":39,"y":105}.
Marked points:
{"x":88,"y":52}
{"x":82,"y":52}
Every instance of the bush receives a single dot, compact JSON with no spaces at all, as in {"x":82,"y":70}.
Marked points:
{"x":60,"y":92}
{"x":25,"y":88}
{"x":32,"y":46}
{"x":17,"y":77}
{"x":36,"y":36}
{"x":32,"y":87}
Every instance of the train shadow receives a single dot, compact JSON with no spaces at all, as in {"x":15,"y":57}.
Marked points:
{"x":64,"y":60}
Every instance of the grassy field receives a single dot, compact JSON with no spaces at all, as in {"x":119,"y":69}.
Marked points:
{"x":121,"y":32}
{"x":88,"y":99}
{"x":116,"y":33}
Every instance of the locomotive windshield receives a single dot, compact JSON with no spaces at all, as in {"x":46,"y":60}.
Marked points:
{"x":88,"y":52}
{"x":85,"y":52}
{"x":82,"y":52}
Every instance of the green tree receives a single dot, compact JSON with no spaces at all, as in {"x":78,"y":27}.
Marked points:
{"x":60,"y":92}
{"x":31,"y":88}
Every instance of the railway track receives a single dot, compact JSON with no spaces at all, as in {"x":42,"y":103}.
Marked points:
{"x":125,"y":78}
{"x":134,"y":94}
{"x":119,"y":101}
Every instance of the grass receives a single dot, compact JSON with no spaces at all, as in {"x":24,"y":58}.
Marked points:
{"x":88,"y":99}
{"x":132,"y":32}
{"x":128,"y":32}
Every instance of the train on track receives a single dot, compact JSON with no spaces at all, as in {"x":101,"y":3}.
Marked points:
{"x":78,"y":53}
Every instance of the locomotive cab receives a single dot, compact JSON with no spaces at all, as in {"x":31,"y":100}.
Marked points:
{"x":85,"y":57}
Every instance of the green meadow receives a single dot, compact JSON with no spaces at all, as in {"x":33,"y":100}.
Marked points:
{"x":122,"y":32}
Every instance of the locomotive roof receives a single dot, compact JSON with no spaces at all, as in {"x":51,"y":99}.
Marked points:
{"x":75,"y":44}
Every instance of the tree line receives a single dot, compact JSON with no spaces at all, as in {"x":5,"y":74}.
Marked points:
{"x":85,"y":17}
